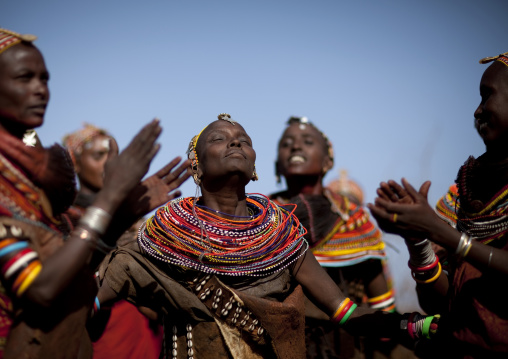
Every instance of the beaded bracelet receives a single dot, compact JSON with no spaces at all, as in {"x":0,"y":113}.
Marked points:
{"x":419,"y":326}
{"x":421,"y":254}
{"x":348,"y":314}
{"x":29,"y":279}
{"x":430,"y":280}
{"x":339,"y":310}
{"x":96,"y":219}
{"x":344,"y":311}
{"x":96,"y":306}
{"x":384,"y":302}
{"x":381,"y":297}
{"x":425,"y":268}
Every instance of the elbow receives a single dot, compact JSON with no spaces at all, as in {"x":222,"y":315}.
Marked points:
{"x":40,"y":296}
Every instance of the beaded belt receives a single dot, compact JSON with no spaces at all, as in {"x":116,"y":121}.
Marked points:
{"x":226,"y":306}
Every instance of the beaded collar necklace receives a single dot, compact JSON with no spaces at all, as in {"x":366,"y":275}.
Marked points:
{"x":258,"y":245}
{"x":487,"y":223}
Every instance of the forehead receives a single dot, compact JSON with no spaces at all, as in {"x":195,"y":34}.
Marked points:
{"x":223,"y":126}
{"x":98,"y":142}
{"x":21,"y":55}
{"x":304,"y":130}
{"x":495,"y":75}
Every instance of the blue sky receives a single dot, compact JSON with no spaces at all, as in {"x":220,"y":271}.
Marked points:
{"x":394,"y":84}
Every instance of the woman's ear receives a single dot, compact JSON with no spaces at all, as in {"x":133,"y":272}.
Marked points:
{"x":327,"y":165}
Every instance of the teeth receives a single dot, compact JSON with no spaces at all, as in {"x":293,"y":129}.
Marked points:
{"x":296,"y":159}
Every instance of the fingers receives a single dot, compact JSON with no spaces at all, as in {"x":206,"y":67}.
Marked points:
{"x":380,"y":213}
{"x":180,"y":176}
{"x":144,"y":142}
{"x":172,"y":196}
{"x":397,"y":189}
{"x":164,"y":171}
{"x":424,"y":189}
{"x":113,"y":149}
{"x":384,"y":191}
{"x":410,"y":190}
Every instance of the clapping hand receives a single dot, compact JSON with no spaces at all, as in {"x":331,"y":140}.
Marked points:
{"x":402,"y":210}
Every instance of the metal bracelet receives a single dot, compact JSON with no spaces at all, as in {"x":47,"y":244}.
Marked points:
{"x":490,"y":257}
{"x":467,"y":247}
{"x":96,"y":219}
{"x":462,"y":242}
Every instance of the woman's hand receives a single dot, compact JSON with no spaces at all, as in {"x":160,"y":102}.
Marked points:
{"x":403,"y":210}
{"x":156,"y":190}
{"x":392,"y":191}
{"x":123,"y":172}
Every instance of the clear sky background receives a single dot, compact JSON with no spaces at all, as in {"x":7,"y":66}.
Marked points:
{"x":394,"y":84}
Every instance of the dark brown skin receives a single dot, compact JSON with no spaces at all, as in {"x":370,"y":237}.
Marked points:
{"x":24,"y":95}
{"x":305,"y":176}
{"x":303,"y":161}
{"x":416,"y":219}
{"x":225,"y":166}
{"x":24,"y":92}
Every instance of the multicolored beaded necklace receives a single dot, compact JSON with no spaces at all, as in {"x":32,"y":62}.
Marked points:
{"x":485,"y":226}
{"x":258,"y":245}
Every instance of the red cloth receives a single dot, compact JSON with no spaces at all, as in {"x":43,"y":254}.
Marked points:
{"x":128,"y":335}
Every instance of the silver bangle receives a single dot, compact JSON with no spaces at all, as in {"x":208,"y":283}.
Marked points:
{"x":96,"y":219}
{"x":467,"y":247}
{"x":462,"y":241}
{"x":465,"y":243}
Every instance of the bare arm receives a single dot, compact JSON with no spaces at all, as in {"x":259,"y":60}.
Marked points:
{"x":322,"y":291}
{"x":125,"y":172}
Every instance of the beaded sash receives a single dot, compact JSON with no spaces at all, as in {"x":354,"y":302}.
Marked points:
{"x":258,"y":245}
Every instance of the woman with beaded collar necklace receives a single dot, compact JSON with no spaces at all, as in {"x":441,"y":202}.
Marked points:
{"x":226,"y":269}
{"x":471,"y":225}
{"x":341,"y":236}
{"x":47,"y":288}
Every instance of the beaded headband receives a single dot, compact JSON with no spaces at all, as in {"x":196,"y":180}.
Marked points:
{"x":503,"y":58}
{"x":10,"y":38}
{"x":303,"y":121}
{"x":76,"y":141}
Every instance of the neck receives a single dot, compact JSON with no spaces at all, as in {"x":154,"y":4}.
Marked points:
{"x":12,"y":130}
{"x":309,"y":185}
{"x":496,"y":153}
{"x":226,"y":199}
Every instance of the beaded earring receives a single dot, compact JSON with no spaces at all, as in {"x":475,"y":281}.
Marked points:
{"x":254,"y":175}
{"x":191,"y":155}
